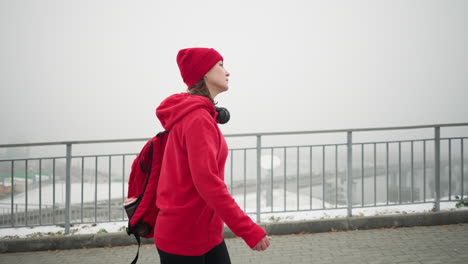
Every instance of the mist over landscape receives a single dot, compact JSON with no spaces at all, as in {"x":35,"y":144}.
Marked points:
{"x":97,"y":69}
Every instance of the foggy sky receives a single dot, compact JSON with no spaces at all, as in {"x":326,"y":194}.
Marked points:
{"x":79,"y":70}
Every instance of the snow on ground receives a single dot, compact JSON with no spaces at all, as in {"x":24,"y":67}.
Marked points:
{"x":39,"y":231}
{"x":357,"y":212}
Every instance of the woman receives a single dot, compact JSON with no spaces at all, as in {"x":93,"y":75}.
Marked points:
{"x":193,"y":199}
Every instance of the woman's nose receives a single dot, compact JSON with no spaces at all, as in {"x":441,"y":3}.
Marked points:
{"x":227,"y":73}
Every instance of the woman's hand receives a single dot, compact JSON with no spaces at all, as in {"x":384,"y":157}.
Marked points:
{"x":263,"y":244}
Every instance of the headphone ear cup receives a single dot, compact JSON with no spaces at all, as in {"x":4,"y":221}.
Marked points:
{"x":223,"y":115}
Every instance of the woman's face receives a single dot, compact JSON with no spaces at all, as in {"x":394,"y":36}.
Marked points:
{"x":217,"y":79}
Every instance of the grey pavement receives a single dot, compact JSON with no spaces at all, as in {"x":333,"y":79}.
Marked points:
{"x":421,"y":244}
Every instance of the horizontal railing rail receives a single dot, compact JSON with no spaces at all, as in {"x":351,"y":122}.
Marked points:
{"x":309,"y":177}
{"x":239,"y":135}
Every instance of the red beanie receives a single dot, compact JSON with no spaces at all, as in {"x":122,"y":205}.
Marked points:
{"x":194,"y":63}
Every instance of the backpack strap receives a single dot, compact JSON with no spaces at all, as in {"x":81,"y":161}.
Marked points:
{"x":162,"y":132}
{"x":138,"y":251}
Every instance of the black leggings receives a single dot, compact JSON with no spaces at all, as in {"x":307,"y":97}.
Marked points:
{"x":217,"y":255}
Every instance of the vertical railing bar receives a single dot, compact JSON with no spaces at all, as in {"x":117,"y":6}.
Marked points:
{"x":375,"y":174}
{"x":245,"y":179}
{"x":16,"y":214}
{"x":259,"y":176}
{"x":437,"y":167}
{"x":95,"y":188}
{"x":82,"y":187}
{"x":110,"y":187}
{"x":271,"y":180}
{"x":336,"y":175}
{"x":284,"y":178}
{"x":349,"y":172}
{"x":68,"y":189}
{"x":53,"y":191}
{"x":123,"y":185}
{"x":462,"y":168}
{"x":40,"y":192}
{"x":412,"y":171}
{"x":450,"y":168}
{"x":323,"y":176}
{"x":424,"y":170}
{"x":26,"y":193}
{"x":311,"y":175}
{"x":386,"y":169}
{"x":399,"y":172}
{"x":362,"y":175}
{"x":297,"y":179}
{"x":12,"y":193}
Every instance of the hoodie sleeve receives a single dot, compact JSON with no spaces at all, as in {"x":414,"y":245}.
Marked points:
{"x":203,"y":142}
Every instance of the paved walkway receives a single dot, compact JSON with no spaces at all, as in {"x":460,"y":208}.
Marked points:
{"x":435,"y":244}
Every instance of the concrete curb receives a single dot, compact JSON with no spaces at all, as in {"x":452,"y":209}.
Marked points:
{"x":369,"y":222}
{"x":316,"y":226}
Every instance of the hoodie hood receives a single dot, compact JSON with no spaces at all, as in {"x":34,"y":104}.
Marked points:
{"x":177,"y":106}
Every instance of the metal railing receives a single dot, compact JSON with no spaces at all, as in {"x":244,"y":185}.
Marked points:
{"x":75,"y":189}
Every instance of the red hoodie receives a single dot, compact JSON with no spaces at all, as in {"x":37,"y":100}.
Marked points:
{"x":193,"y":199}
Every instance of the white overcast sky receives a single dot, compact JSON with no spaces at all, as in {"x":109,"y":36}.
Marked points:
{"x":97,"y":69}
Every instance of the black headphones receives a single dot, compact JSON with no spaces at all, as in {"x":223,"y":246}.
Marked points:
{"x":223,"y":115}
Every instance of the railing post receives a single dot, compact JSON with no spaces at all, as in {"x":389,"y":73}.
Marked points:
{"x":68,"y":189}
{"x":437,"y":168}
{"x":13,"y":214}
{"x":259,"y":176}
{"x":349,"y":174}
